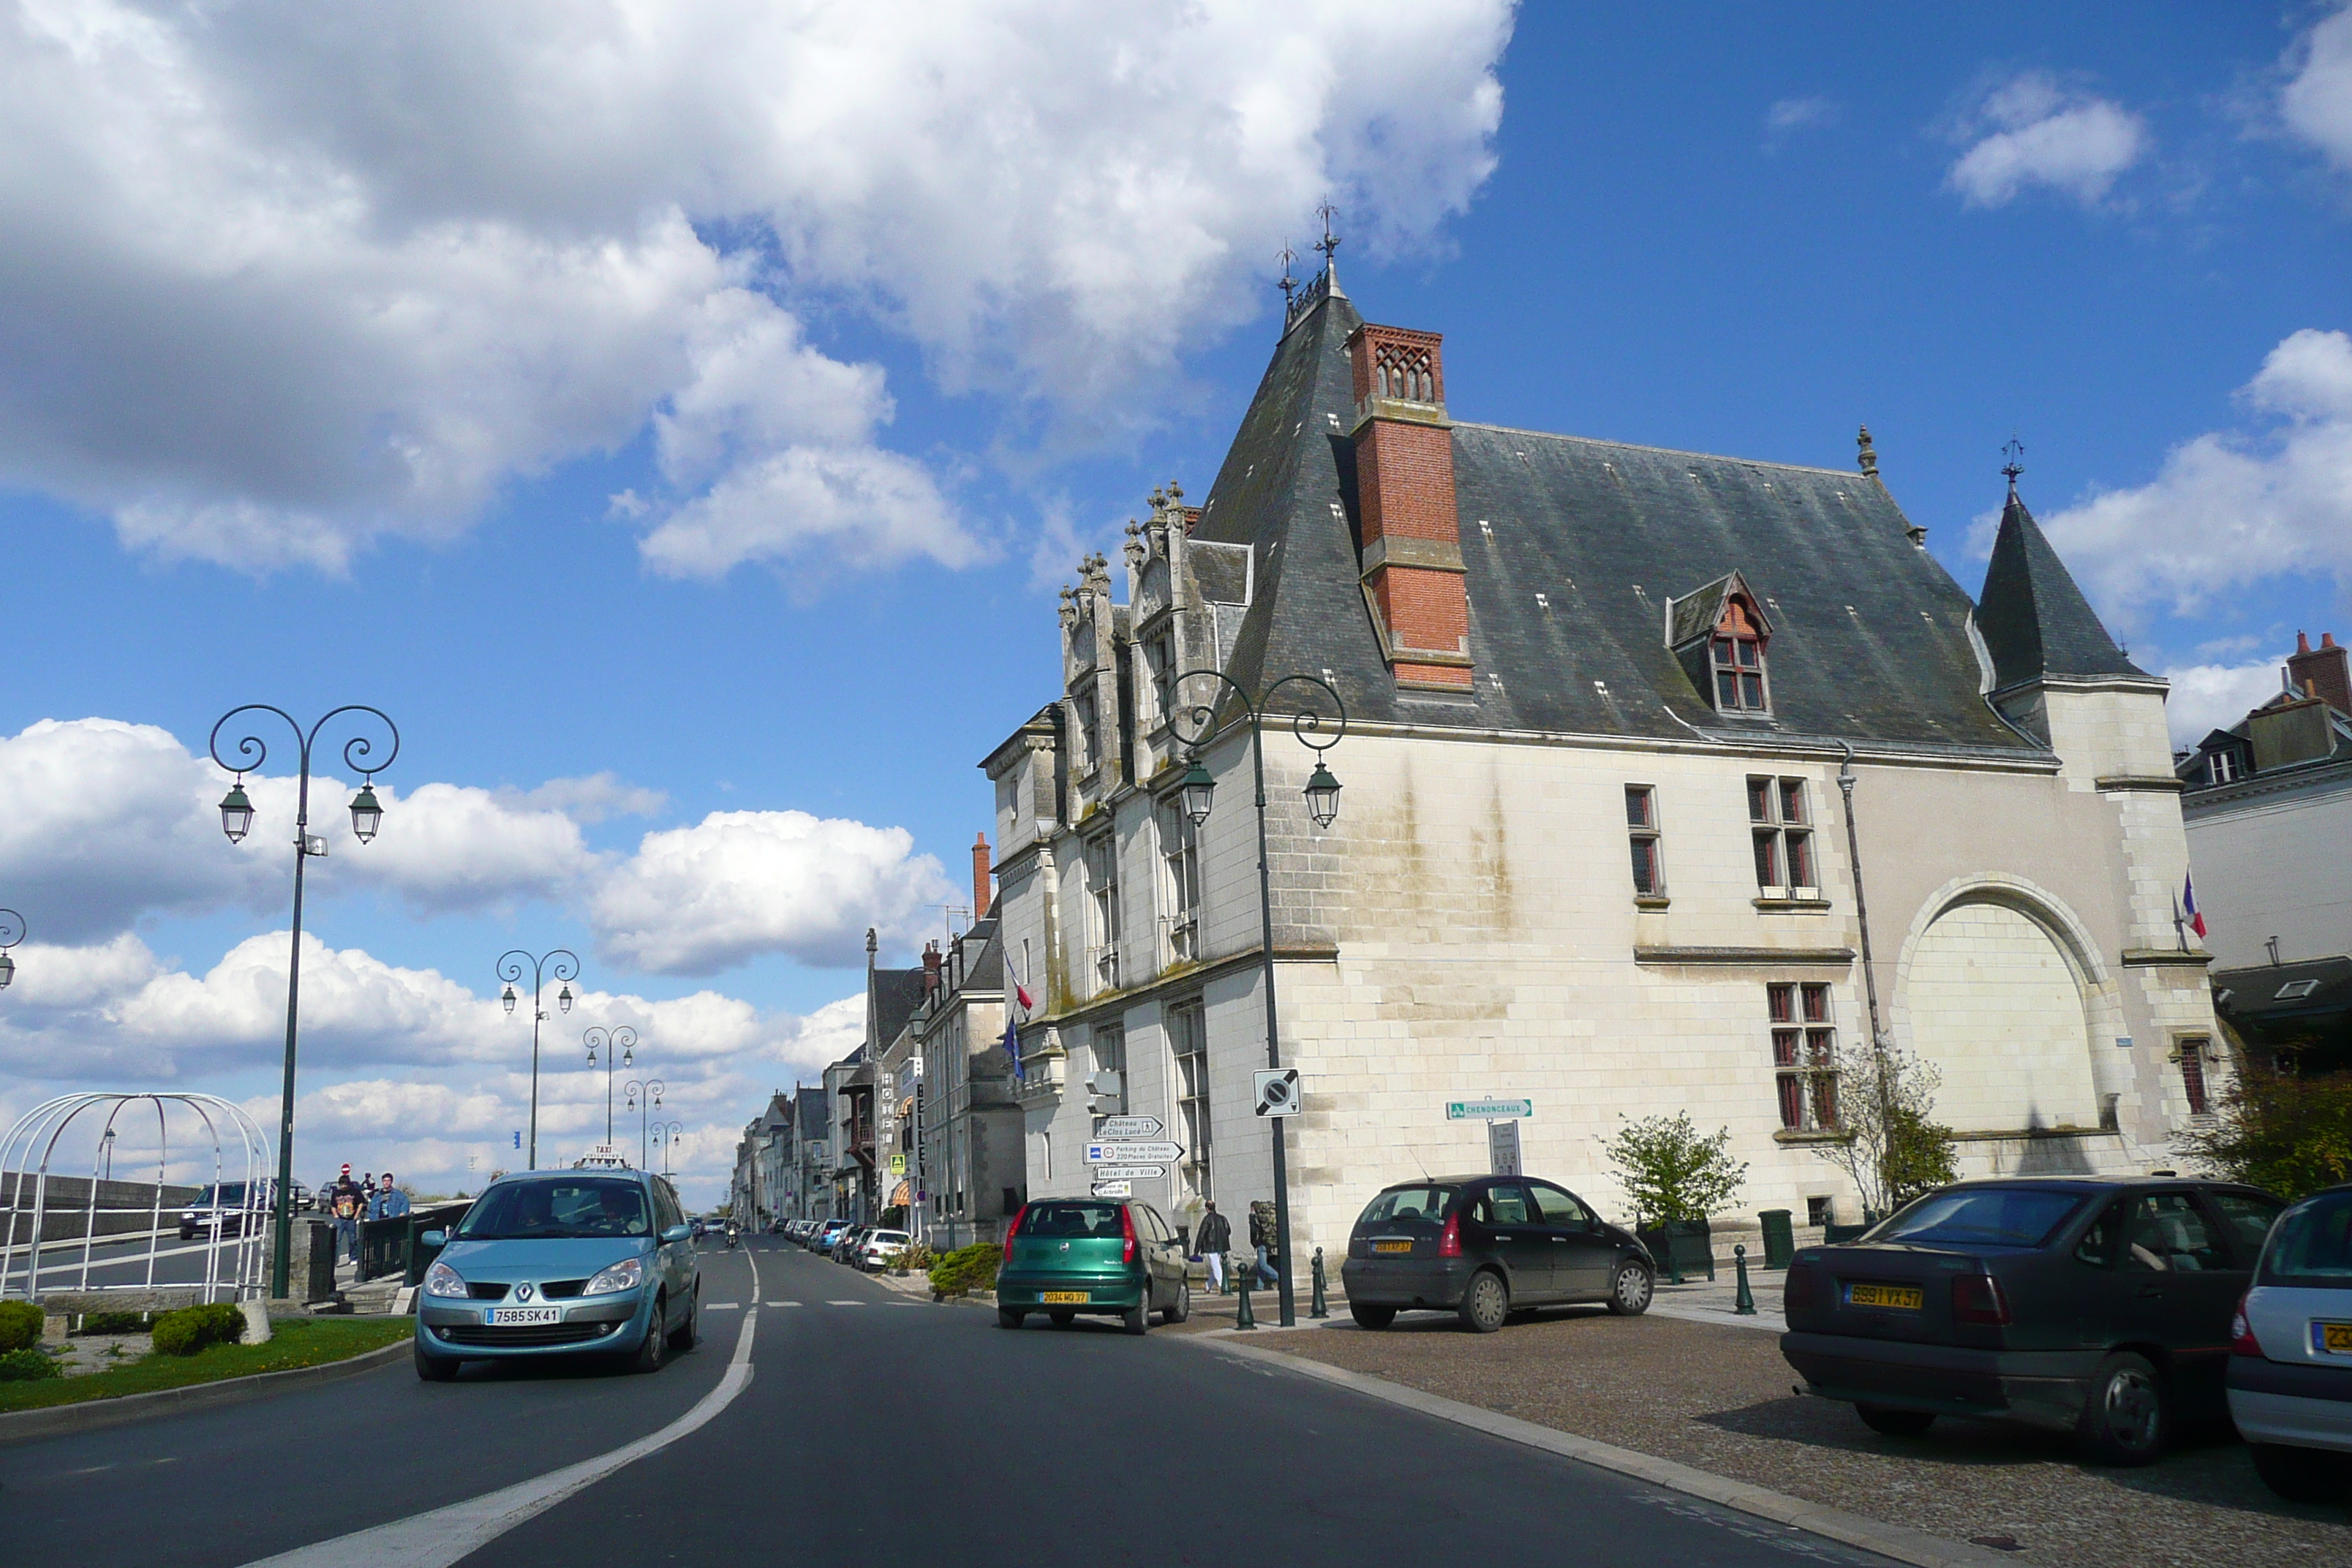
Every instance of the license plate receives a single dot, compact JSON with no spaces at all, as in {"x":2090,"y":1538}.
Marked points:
{"x":1064,"y":1298}
{"x":1909,"y":1298}
{"x":2333,"y":1338}
{"x":517,"y":1316}
{"x":1393,"y":1246}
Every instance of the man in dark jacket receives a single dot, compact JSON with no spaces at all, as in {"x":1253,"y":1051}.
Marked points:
{"x":1262,"y":1237}
{"x":1214,"y":1240}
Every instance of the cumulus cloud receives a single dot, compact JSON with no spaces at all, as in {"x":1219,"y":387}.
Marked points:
{"x":2316,"y":102}
{"x":2032,"y":129}
{"x":1791,"y":115}
{"x":279,"y":282}
{"x":2231,"y":507}
{"x":694,"y":900}
{"x":2209,"y":696}
{"x":591,"y":799}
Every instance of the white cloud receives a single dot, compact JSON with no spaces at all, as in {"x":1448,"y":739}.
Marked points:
{"x":1791,"y":115}
{"x":2032,"y":131}
{"x":278,"y":283}
{"x":694,"y":900}
{"x":2209,"y":696}
{"x":2318,"y":102}
{"x":589,"y":800}
{"x":2231,"y":507}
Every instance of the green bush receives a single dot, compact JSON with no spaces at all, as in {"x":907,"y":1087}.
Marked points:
{"x":970,"y":1268}
{"x":26,"y":1365}
{"x":2278,"y":1129}
{"x":113,"y":1323}
{"x":20,"y":1325}
{"x":190,"y":1329}
{"x":1672,"y":1172}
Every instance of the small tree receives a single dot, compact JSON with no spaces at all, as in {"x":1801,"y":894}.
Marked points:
{"x":2274,"y":1130}
{"x":1670,"y":1171}
{"x":1889,"y":1143}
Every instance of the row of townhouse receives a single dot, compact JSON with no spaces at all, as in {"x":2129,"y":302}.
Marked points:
{"x":784,"y":1162}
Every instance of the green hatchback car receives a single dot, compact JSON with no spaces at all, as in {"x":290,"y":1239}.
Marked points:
{"x":1067,"y":1256}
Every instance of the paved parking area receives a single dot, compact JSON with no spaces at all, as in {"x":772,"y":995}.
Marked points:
{"x":1720,"y":1398}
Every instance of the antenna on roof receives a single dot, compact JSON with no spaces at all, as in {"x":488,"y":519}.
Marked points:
{"x":1289,"y":285}
{"x":2014,"y":451}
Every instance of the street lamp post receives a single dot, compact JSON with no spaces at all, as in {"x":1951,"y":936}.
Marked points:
{"x":561,"y":965}
{"x":1196,"y":725}
{"x":12,"y":932}
{"x":666,"y":1137}
{"x":626,"y":1040}
{"x":236,"y":821}
{"x":643,"y":1098}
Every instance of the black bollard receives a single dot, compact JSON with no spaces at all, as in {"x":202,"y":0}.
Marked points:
{"x":1245,"y":1317}
{"x":1318,"y":1308}
{"x":1743,"y":1305}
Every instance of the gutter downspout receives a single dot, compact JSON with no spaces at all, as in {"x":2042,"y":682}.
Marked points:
{"x":1878,"y":1042}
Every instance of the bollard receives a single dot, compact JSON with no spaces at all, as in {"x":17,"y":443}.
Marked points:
{"x":1743,"y":1304}
{"x":1245,"y":1317}
{"x":1318,"y":1308}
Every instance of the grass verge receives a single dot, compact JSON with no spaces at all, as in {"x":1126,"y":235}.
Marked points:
{"x":301,"y":1342}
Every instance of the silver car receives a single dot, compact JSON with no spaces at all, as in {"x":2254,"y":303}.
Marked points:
{"x":2290,"y":1372}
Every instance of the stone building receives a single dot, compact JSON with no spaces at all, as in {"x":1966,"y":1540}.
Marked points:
{"x":1591,"y":851}
{"x":970,"y":1152}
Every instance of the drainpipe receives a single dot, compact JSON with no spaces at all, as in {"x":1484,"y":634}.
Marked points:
{"x":1845,"y":781}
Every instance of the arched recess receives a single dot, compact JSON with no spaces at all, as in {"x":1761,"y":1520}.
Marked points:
{"x":2001,"y":989}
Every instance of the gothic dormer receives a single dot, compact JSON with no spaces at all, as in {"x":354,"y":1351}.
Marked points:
{"x":1720,"y":634}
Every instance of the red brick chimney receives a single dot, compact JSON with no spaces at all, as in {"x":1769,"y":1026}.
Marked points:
{"x":931,"y":969}
{"x":979,"y":869}
{"x":2324,"y":671}
{"x":1412,"y":562}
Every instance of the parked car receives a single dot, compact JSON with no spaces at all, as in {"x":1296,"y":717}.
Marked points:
{"x":846,"y":1251}
{"x":1064,"y":1256}
{"x":1483,"y":1246}
{"x":822,"y":1243}
{"x":2096,"y":1306}
{"x":552,"y":1263}
{"x":879,"y":1247}
{"x":2290,"y":1372}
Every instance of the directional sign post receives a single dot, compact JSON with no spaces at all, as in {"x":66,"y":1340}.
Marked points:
{"x":1488,"y":1109}
{"x":1113,"y":1189}
{"x":1131,"y":1127}
{"x":1129,"y":1173}
{"x":1109,"y":1154}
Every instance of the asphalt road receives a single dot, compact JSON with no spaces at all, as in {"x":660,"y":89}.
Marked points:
{"x":874,"y":1430}
{"x":122,"y":1262}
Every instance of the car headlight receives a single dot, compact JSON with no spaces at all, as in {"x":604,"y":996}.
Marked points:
{"x":626,"y":1275}
{"x":443,"y":1280}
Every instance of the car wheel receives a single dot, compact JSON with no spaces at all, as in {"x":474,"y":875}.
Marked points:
{"x":1137,"y":1319}
{"x":436,"y":1368}
{"x":1485,"y":1303}
{"x":1061,"y":1320}
{"x":649,"y":1348}
{"x":2126,"y":1421}
{"x":1630,"y":1292}
{"x":1894,"y":1423}
{"x":2302,"y":1475}
{"x":1182,"y":1309}
{"x":1011,"y":1316}
{"x":1371,"y":1317}
{"x":691,"y":1331}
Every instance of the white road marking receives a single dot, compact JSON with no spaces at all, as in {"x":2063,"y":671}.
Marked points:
{"x":845,"y":1303}
{"x":446,"y":1535}
{"x":722,"y":1306}
{"x":783,"y":1303}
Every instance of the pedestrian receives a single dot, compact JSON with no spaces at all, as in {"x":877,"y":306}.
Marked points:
{"x":1262,"y":1237}
{"x":346,"y":1204}
{"x":389,"y":1202}
{"x":1214,"y":1240}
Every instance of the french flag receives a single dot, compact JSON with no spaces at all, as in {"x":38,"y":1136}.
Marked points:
{"x":2189,"y":905}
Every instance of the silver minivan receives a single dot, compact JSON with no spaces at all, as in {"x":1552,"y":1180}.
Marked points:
{"x":2290,"y":1372}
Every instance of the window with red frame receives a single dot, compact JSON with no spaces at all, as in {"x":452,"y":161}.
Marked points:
{"x":1805,"y":1055}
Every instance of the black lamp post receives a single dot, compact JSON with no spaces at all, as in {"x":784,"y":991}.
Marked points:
{"x":236,"y":821}
{"x":626,"y":1038}
{"x":1196,"y":725}
{"x":643,"y":1098}
{"x":12,"y":932}
{"x":561,"y":965}
{"x":666,"y":1137}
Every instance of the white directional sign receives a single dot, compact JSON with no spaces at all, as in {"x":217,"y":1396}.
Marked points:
{"x":1113,"y":1189}
{"x":1129,"y":1173}
{"x":1277,"y":1091}
{"x":1122,"y":1153}
{"x":1488,"y":1109}
{"x":1131,"y":1126}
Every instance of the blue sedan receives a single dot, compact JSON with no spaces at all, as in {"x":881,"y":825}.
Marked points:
{"x":562,"y":1263}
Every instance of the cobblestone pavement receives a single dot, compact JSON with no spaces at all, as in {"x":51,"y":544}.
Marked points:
{"x":1720,"y":1398}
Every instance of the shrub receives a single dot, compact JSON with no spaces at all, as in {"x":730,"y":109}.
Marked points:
{"x":2276,"y":1130}
{"x":190,"y":1329}
{"x":26,"y":1365}
{"x":914,"y":1256}
{"x":20,"y":1325}
{"x":1891,"y":1144}
{"x":970,"y":1268}
{"x":1672,"y":1172}
{"x":113,"y":1323}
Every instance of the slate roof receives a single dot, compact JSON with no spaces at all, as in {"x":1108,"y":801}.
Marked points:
{"x":2034,"y":619}
{"x":2314,"y":986}
{"x":897,"y":994}
{"x":1871,"y":634}
{"x":814,"y":1116}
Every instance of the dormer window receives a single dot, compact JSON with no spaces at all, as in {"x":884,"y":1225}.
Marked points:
{"x":1736,"y":655}
{"x":2220,"y":767}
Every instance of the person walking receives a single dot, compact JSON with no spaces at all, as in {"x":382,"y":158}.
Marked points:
{"x":1214,"y":1240}
{"x":346,"y":1203}
{"x":389,"y":1202}
{"x":1262,"y":1237}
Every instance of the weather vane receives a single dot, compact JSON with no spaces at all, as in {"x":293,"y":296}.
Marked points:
{"x":2014,"y":451}
{"x":1289,"y":285}
{"x":1329,"y":244}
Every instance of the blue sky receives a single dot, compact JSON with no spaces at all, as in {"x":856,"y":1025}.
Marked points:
{"x":597,"y":436}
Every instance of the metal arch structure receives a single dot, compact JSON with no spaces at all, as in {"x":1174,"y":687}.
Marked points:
{"x":29,"y":1151}
{"x":1197,"y":726}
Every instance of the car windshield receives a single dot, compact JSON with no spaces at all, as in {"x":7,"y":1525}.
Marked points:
{"x":1982,"y":1216}
{"x":1072,"y":1221}
{"x":2311,"y":1246}
{"x":575,"y":1207}
{"x":1406,"y":1205}
{"x":889,"y":1237}
{"x":226,"y":1193}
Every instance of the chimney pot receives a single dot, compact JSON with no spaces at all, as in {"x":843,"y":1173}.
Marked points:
{"x":2325,"y":671}
{"x":2301,"y":643}
{"x":980,"y":870}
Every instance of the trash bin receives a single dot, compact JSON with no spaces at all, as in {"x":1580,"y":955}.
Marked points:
{"x":1779,"y":1239}
{"x":321,"y":1285}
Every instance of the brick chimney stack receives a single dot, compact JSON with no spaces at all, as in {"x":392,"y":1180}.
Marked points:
{"x":931,"y":969}
{"x":1412,"y":562}
{"x":980,"y":869}
{"x":2324,"y":671}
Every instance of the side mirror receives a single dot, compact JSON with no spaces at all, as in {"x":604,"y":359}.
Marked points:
{"x":433,"y":1238}
{"x":679,"y":1233}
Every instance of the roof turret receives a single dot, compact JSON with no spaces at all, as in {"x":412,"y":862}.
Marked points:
{"x":2034,"y":620}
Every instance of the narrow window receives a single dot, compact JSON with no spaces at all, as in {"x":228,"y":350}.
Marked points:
{"x":1160,"y":660}
{"x":2192,"y":1075}
{"x":1188,"y":1043}
{"x":1102,"y":889}
{"x":1736,"y":654}
{"x":1082,"y":706}
{"x":1641,"y":824}
{"x":1805,"y":1055}
{"x":1179,"y":859}
{"x":2220,"y":767}
{"x":1781,"y":821}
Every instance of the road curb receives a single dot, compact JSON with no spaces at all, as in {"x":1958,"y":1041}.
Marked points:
{"x":1895,"y":1540}
{"x":23,"y":1426}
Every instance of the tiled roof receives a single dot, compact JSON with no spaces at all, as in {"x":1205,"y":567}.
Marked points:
{"x":2034,"y":620}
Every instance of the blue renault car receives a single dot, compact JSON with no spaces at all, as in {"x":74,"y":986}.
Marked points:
{"x":556,"y":1263}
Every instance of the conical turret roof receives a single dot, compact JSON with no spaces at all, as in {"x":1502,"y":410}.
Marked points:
{"x":2034,"y":620}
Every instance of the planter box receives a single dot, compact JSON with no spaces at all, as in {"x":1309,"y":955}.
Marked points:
{"x":1684,"y":1242}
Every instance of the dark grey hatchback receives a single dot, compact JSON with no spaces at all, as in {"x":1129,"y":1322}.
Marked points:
{"x":1484,"y":1247}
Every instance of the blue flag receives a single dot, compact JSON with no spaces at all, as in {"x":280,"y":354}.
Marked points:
{"x":1012,"y":1044}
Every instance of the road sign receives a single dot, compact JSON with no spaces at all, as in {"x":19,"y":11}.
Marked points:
{"x":1277,"y":1091}
{"x":898,"y":1164}
{"x":1131,"y":1126}
{"x":1503,"y":1146}
{"x":1118,"y":1154}
{"x":1129,"y":1173}
{"x":1488,"y":1109}
{"x":1113,"y":1189}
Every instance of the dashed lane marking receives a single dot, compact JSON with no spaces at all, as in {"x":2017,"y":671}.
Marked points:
{"x":722,"y":1306}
